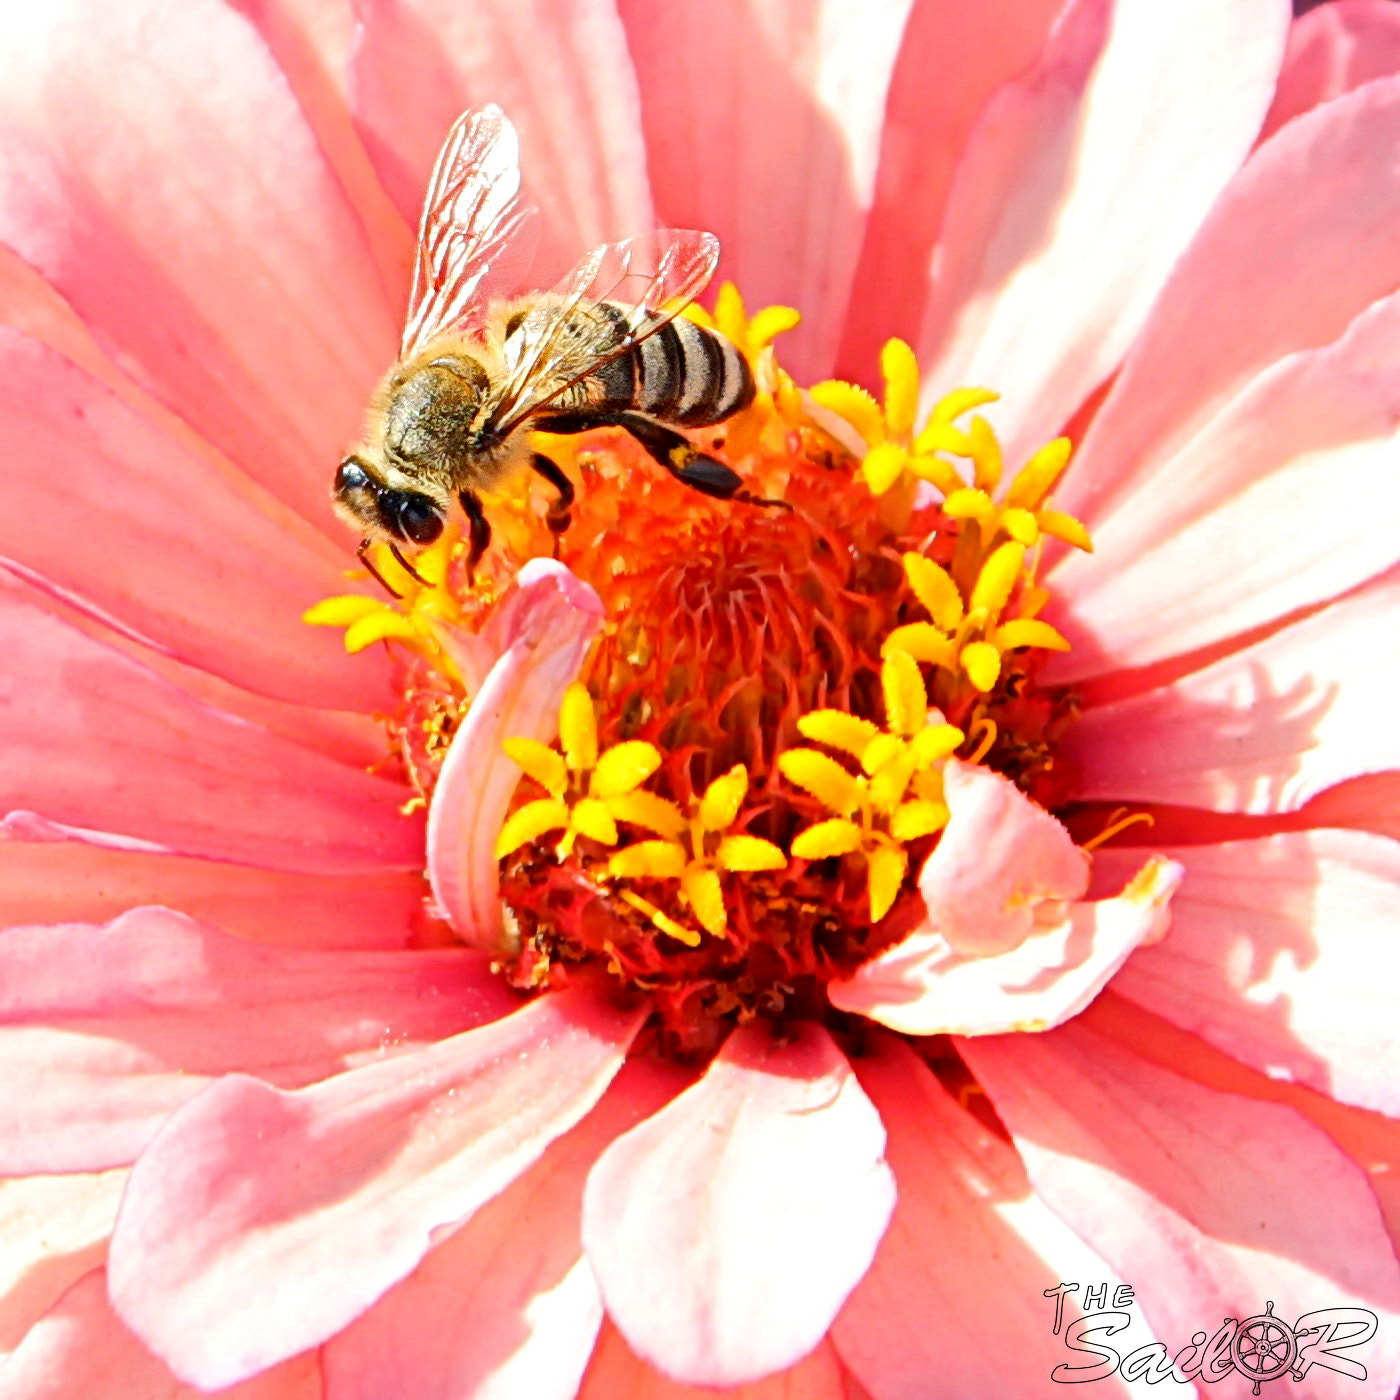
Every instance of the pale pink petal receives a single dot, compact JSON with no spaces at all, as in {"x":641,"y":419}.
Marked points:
{"x":97,"y":743}
{"x":543,"y":630}
{"x":313,"y":41}
{"x":999,"y":860}
{"x":70,"y":881}
{"x":308,"y":1206}
{"x":764,"y":124}
{"x":234,"y":281}
{"x":1298,"y":246}
{"x":1208,"y":1203}
{"x":184,"y":552}
{"x":1282,"y":953}
{"x":1261,"y":730}
{"x":1331,"y":50}
{"x":1284,"y":499}
{"x":561,"y":71}
{"x":727,"y":1230}
{"x":924,"y":986}
{"x":105,"y":1030}
{"x":506,"y":1306}
{"x":53,"y":1230}
{"x":1058,"y":237}
{"x":81,"y":1349}
{"x":615,"y":1373}
{"x":953,"y":57}
{"x":957,"y":1288}
{"x":28,"y":304}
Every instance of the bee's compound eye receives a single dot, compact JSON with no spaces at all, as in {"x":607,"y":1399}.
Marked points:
{"x":350,"y":477}
{"x":417,"y":518}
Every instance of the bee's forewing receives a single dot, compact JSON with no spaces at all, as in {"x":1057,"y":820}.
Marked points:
{"x":652,"y":277}
{"x":471,"y":216}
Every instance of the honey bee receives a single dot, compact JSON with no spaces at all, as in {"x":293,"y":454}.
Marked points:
{"x":475,"y":376}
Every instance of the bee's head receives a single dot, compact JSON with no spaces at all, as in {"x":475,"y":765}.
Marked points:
{"x":384,"y":512}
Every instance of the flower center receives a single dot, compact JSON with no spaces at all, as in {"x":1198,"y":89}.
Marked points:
{"x":749,"y":769}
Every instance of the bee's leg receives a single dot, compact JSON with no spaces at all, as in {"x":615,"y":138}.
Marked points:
{"x":688,"y":465}
{"x":557,"y":517}
{"x":479,"y":530}
{"x":369,"y":564}
{"x":406,"y":566}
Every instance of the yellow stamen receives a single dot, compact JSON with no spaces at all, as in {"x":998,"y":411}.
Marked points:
{"x":823,"y":777}
{"x":1117,"y":823}
{"x":623,"y":767}
{"x":648,"y":860}
{"x":578,"y":728}
{"x":901,"y":371}
{"x":984,"y":744}
{"x":664,"y":922}
{"x":856,"y":405}
{"x":721,"y":801}
{"x":996,"y":580}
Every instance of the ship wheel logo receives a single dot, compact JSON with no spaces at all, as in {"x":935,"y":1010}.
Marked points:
{"x":1263,"y":1347}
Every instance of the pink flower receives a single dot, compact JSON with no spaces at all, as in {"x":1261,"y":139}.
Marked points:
{"x":812,"y":1150}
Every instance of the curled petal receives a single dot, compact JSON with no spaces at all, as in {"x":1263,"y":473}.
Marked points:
{"x":999,"y":858}
{"x":924,"y":986}
{"x":710,"y":1225}
{"x":543,"y":628}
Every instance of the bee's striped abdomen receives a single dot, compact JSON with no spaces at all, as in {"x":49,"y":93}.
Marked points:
{"x":690,"y":376}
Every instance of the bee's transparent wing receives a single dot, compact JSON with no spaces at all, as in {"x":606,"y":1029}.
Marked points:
{"x":470,"y":216}
{"x":652,"y":278}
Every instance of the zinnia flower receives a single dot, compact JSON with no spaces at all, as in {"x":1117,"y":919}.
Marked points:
{"x":801,"y":993}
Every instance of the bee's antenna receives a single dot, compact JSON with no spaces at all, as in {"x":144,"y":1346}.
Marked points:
{"x":369,"y":564}
{"x":408,"y":568}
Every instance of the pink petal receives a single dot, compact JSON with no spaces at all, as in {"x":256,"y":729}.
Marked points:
{"x":972,"y":50}
{"x":561,"y":71}
{"x":97,"y":743}
{"x":69,"y":881}
{"x":313,"y":42}
{"x":543,"y":629}
{"x":1207,"y":1202}
{"x":506,"y":1306}
{"x":191,"y":558}
{"x":727,"y":1230}
{"x":308,"y":1206}
{"x":616,"y":1374}
{"x":966,"y":1261}
{"x":104,"y":1031}
{"x":763,"y":124}
{"x":188,"y":215}
{"x":999,"y":858}
{"x":1279,"y":954}
{"x":1306,"y":231}
{"x":924,"y":986}
{"x":1057,"y":237}
{"x":81,"y":1349}
{"x":1333,"y":49}
{"x":1171,"y":571}
{"x":54,"y":1230}
{"x":1262,"y":730}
